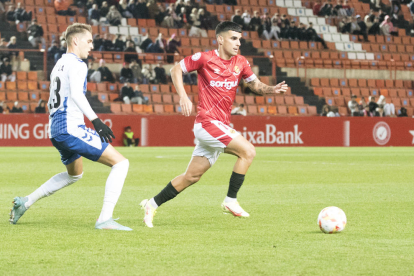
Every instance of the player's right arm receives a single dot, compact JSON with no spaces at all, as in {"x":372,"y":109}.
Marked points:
{"x":77,"y":78}
{"x":188,"y":64}
{"x":177,"y":78}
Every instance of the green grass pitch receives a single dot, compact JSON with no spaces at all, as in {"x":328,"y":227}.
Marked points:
{"x":284,"y":191}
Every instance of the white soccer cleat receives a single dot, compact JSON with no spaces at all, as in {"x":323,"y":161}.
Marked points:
{"x":149,"y":212}
{"x":235,"y":209}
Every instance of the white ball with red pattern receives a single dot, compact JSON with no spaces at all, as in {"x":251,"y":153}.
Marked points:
{"x":331,"y":220}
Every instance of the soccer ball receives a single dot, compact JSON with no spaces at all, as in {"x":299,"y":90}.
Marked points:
{"x":331,"y":220}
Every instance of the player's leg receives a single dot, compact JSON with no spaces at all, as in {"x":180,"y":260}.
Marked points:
{"x":196,"y":168}
{"x":114,"y":184}
{"x":61,"y":180}
{"x":245,"y":152}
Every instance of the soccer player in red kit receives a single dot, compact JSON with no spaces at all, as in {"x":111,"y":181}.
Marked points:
{"x":219,"y":73}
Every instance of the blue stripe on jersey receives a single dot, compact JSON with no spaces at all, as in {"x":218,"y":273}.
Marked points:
{"x":84,"y":85}
{"x":59,"y":121}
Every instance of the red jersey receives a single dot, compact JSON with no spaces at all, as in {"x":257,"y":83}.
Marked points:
{"x":218,"y":80}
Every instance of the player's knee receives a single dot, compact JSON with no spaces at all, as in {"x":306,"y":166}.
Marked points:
{"x":124,"y":164}
{"x":250,"y":153}
{"x":74,"y":178}
{"x":192,"y":178}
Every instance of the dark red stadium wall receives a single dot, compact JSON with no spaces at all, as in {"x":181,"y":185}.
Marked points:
{"x":31,"y":130}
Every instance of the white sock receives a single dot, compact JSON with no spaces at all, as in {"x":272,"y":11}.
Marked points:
{"x":113,"y":189}
{"x":229,"y":199}
{"x":153,"y":203}
{"x":57,"y":182}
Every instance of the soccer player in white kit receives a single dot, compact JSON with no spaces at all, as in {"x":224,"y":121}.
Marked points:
{"x":219,"y":73}
{"x":68,"y":133}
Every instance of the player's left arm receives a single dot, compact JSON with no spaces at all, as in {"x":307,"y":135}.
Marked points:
{"x":76,"y":78}
{"x":260,"y":88}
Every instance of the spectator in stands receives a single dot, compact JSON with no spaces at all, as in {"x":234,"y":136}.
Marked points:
{"x":369,"y":20}
{"x":326,"y":9}
{"x":129,"y":96}
{"x":141,"y":10}
{"x":103,"y":11}
{"x":349,"y":11}
{"x":302,"y":36}
{"x":403,"y":112}
{"x":129,"y":38}
{"x":230,"y":2}
{"x":316,"y":9}
{"x":6,"y":71}
{"x":265,"y":27}
{"x":148,"y":74}
{"x":10,"y":13}
{"x":3,"y":111}
{"x":35,"y":33}
{"x":154,"y":10}
{"x":52,"y":50}
{"x":195,"y":29}
{"x":97,"y":42}
{"x":123,"y":9}
{"x":255,"y":22}
{"x":114,"y":17}
{"x":353,"y":106}
{"x":338,"y":10}
{"x":155,"y":47}
{"x":140,"y":97}
{"x":342,"y":25}
{"x":171,"y":20}
{"x":363,"y":107}
{"x":354,"y":27}
{"x":62,"y":50}
{"x":41,"y":107}
{"x":276,"y":18}
{"x":21,"y":15}
{"x":90,"y":72}
{"x":172,"y":47}
{"x":395,"y":8}
{"x":183,"y":18}
{"x":313,"y":36}
{"x":385,"y":109}
{"x":275,"y":30}
{"x":136,"y":71}
{"x":62,"y":7}
{"x":236,"y":18}
{"x":325,"y":110}
{"x":292,"y":31}
{"x":3,"y":45}
{"x":411,"y":6}
{"x":375,"y":28}
{"x":2,"y":3}
{"x":118,"y":43}
{"x":106,"y":74}
{"x":126,"y":74}
{"x":373,"y":107}
{"x":387,"y":27}
{"x":16,"y":108}
{"x":128,"y":138}
{"x":94,"y":15}
{"x":283,"y":31}
{"x":363,"y":30}
{"x":160,"y":75}
{"x":370,"y":14}
{"x":13,"y":45}
{"x":89,"y":4}
{"x":381,"y":16}
{"x":107,"y":44}
{"x":246,"y":18}
{"x":132,"y":52}
{"x":239,"y":110}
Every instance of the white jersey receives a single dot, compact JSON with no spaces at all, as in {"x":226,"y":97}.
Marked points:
{"x":67,"y":90}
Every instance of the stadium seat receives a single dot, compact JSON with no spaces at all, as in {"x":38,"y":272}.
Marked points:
{"x":126,"y":108}
{"x":137,"y":108}
{"x":252,"y":109}
{"x":292,"y":110}
{"x":169,"y":108}
{"x":115,"y":108}
{"x":262,"y":109}
{"x":281,"y":110}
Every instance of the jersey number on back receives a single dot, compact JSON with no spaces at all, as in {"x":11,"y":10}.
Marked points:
{"x":55,"y":100}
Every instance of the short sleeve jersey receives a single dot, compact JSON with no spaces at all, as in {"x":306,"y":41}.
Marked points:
{"x":69,"y":74}
{"x":218,"y":80}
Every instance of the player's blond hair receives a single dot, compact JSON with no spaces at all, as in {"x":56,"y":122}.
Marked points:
{"x":75,"y":28}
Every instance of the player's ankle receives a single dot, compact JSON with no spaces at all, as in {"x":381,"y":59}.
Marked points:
{"x":229,"y":199}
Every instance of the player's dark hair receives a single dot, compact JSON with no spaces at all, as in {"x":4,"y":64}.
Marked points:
{"x":227,"y":26}
{"x":75,"y":28}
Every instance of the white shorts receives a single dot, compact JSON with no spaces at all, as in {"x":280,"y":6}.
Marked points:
{"x":212,"y":138}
